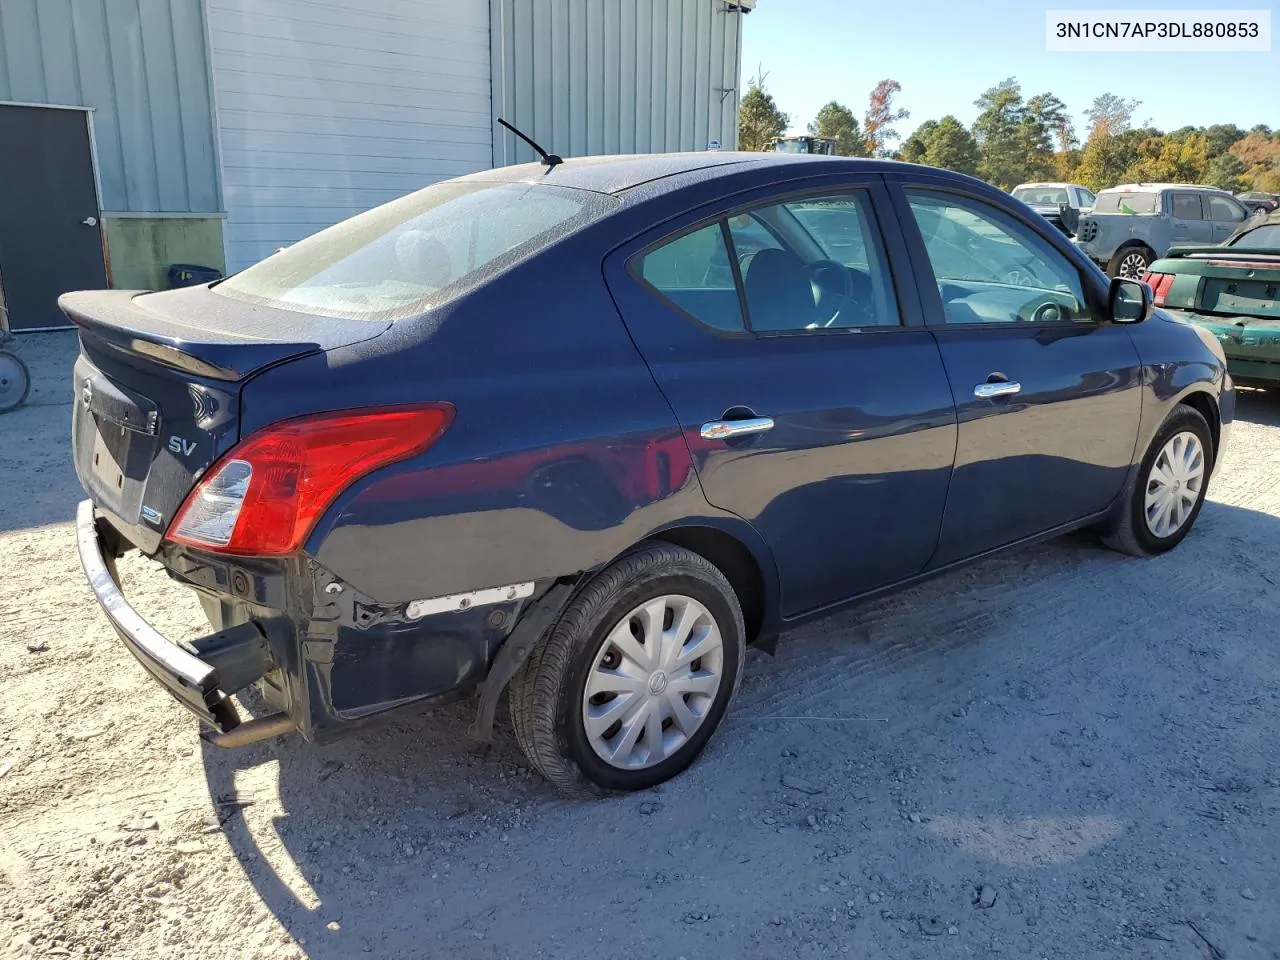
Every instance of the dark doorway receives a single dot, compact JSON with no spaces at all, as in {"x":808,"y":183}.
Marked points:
{"x":50,"y":224}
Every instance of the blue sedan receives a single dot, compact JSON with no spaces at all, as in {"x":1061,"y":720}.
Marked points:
{"x":582,"y":432}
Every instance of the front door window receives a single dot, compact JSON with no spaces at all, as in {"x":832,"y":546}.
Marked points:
{"x":991,"y":269}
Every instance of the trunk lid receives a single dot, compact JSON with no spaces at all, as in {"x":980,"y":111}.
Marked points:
{"x":1223,"y":282}
{"x":157,"y":390}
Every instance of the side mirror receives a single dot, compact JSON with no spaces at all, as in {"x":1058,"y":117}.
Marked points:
{"x":1070,"y":217}
{"x":1130,"y":301}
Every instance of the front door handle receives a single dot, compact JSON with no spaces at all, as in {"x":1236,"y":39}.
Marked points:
{"x":727,"y":429}
{"x":1001,"y":388}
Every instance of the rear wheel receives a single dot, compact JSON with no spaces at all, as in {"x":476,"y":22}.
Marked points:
{"x":1130,"y":263}
{"x":1169,"y":488}
{"x":636,"y":676}
{"x":15,"y":381}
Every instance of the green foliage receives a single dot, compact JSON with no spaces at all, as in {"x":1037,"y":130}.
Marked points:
{"x":1176,"y":158}
{"x":942,"y":143}
{"x":1015,"y":141}
{"x":837,"y":121}
{"x":1259,"y":152}
{"x":1227,"y":172}
{"x":916,"y":147}
{"x":1004,"y":136}
{"x":759,"y":119}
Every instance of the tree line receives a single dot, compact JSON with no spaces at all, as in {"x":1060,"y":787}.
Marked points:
{"x":1016,"y":140}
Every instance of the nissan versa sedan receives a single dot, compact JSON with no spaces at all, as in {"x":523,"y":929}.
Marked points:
{"x":583,"y":431}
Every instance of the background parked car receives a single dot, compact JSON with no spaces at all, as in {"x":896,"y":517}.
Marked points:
{"x":1258,"y":202}
{"x":1233,"y":291}
{"x":1059,"y":203}
{"x":1131,"y":225}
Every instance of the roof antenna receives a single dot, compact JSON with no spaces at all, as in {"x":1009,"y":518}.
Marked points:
{"x":548,"y":159}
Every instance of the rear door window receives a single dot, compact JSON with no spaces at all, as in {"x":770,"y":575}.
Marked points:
{"x":1187,"y":206}
{"x":693,"y":272}
{"x":804,"y":266}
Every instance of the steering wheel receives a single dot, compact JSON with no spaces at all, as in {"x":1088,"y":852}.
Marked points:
{"x":1021,"y":274}
{"x":1048,"y":312}
{"x":816,"y":270}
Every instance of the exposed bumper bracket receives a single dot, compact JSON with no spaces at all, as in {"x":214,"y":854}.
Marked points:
{"x":201,"y":679}
{"x":251,"y":731}
{"x":513,"y":653}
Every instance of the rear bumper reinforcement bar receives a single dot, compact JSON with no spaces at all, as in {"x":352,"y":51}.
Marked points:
{"x":201,"y":675}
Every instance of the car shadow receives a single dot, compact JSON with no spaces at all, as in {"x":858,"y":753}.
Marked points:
{"x":408,"y":839}
{"x":1258,"y":406}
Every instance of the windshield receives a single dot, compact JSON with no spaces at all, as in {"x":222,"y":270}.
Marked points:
{"x":792,"y":146}
{"x":1042,"y":195}
{"x":1266,"y":237}
{"x":1124,"y":201}
{"x":398,"y":259}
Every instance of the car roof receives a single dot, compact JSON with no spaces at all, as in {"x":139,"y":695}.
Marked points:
{"x":618,"y":174}
{"x":1146,"y":187}
{"x":1046,"y":184}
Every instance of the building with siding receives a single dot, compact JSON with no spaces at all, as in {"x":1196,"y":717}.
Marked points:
{"x":211,"y":132}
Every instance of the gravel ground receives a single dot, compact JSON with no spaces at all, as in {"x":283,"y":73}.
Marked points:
{"x":1058,"y":753}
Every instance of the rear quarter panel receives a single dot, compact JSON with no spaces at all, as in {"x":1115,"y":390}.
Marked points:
{"x":563,"y":452}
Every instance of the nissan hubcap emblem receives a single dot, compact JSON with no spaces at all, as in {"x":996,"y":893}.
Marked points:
{"x":657,"y":683}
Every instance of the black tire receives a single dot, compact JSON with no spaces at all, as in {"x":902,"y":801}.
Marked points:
{"x":1130,"y":532}
{"x":1134,"y":257}
{"x":546,"y":696}
{"x":15,"y":381}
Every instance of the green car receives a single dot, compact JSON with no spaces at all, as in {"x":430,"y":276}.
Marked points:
{"x":1233,"y":291}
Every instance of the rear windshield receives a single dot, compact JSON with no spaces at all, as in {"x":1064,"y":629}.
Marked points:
{"x":396,"y":260}
{"x":1041,"y":195}
{"x":1266,"y":237}
{"x":1123,"y":201}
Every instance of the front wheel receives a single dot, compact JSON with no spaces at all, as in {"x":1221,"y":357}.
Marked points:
{"x":635,"y":677}
{"x":1169,"y":488}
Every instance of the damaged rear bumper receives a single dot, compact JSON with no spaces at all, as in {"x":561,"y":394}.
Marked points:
{"x":202,"y":674}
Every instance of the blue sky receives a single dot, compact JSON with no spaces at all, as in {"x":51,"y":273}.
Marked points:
{"x":946,"y":53}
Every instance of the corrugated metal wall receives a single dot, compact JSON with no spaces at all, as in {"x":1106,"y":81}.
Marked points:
{"x":144,"y":68}
{"x":615,"y":76}
{"x":328,"y":109}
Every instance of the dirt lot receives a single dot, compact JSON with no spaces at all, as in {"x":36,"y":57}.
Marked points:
{"x":1060,"y":753}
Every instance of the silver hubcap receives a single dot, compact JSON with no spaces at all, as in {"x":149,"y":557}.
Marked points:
{"x":1174,"y":484}
{"x":653,"y":682}
{"x":1133,"y":266}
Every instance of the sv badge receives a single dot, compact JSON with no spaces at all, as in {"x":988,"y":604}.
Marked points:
{"x":181,"y":445}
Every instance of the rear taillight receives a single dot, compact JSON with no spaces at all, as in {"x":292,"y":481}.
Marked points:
{"x":265,"y":495}
{"x":1159,"y":284}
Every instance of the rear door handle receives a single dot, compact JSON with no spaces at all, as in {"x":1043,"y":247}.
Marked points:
{"x":727,"y":429}
{"x":1001,"y":388}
